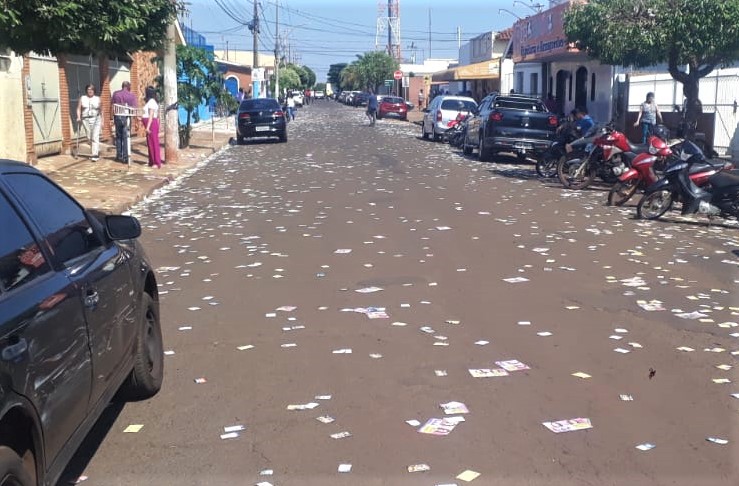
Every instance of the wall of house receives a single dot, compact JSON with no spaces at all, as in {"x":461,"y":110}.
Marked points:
{"x":599,"y":102}
{"x":12,"y":141}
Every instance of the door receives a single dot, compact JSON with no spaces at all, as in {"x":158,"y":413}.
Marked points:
{"x":581,"y":87}
{"x":45,"y":106}
{"x":100,"y":272}
{"x":44,"y":347}
{"x":475,"y":123}
{"x":561,"y":92}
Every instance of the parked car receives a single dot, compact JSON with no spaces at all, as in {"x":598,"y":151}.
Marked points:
{"x":79,"y":323}
{"x":360,"y":99}
{"x":320,"y":95}
{"x":298,"y":98}
{"x":261,"y":117}
{"x":392,"y":106}
{"x":442,"y":110}
{"x":511,"y":123}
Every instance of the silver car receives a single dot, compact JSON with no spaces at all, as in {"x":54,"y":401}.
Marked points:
{"x":441,"y":111}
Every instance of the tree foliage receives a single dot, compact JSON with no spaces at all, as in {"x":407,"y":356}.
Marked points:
{"x":369,"y":71}
{"x":692,"y":36}
{"x":85,"y":26}
{"x":334,"y":75}
{"x":198,"y":81}
{"x":289,"y":78}
{"x":307,"y":76}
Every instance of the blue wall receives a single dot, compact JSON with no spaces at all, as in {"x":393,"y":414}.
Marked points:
{"x":194,"y":39}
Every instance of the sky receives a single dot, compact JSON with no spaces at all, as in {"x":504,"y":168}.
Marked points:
{"x":325,"y":32}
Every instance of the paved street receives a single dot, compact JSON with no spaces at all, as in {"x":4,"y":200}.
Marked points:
{"x":472,"y":263}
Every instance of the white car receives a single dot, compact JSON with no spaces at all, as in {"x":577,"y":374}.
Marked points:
{"x":441,"y":111}
{"x":298,"y":99}
{"x":320,"y":95}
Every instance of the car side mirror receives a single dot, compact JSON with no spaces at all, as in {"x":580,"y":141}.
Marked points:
{"x":122,"y":227}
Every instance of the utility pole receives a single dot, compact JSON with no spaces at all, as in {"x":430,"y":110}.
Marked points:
{"x":277,"y":50}
{"x":429,"y":32}
{"x":389,"y":28}
{"x":459,"y":37}
{"x":255,"y":50}
{"x":171,"y":127}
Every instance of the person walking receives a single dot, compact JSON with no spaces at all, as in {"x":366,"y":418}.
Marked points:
{"x":291,"y":106}
{"x":372,"y":108}
{"x":151,"y":123}
{"x":421,"y":99}
{"x":648,"y":115}
{"x":122,"y":97}
{"x":88,"y":115}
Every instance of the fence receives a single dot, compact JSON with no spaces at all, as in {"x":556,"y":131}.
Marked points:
{"x":718,"y":92}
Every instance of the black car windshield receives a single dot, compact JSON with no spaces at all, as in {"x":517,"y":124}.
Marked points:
{"x":392,"y":99}
{"x":259,"y":104}
{"x":531,"y":105}
{"x":458,"y":105}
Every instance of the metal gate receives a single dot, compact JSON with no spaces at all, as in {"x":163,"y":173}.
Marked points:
{"x":45,"y":106}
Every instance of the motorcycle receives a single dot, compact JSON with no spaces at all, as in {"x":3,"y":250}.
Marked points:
{"x":546,"y":165}
{"x":609,"y":157}
{"x":647,"y":168}
{"x":682,"y":181}
{"x":455,"y":131}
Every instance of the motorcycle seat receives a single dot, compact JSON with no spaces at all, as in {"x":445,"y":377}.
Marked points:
{"x":638,"y":148}
{"x":724,"y":179}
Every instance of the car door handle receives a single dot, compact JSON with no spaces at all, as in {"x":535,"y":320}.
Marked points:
{"x":14,"y":351}
{"x":91,"y":298}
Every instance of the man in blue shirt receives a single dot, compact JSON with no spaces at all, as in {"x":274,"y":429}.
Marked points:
{"x":584,"y":121}
{"x":372,"y":107}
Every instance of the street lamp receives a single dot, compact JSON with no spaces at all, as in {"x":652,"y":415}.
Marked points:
{"x":508,"y":11}
{"x":535,"y":7}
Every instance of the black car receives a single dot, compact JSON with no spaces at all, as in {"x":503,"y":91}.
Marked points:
{"x":261,"y":117}
{"x":361,"y":99}
{"x":79,"y":323}
{"x":510,"y":123}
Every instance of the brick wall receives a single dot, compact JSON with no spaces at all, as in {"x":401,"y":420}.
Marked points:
{"x":103,"y":67}
{"x":64,"y":103}
{"x":143,"y":73}
{"x":28,"y":113}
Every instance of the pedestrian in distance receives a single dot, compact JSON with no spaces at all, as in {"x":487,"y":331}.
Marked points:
{"x":150,"y":120}
{"x":421,"y":99}
{"x":240,"y":95}
{"x":648,"y":116}
{"x":291,"y":106}
{"x":88,"y":116}
{"x":372,"y":108}
{"x":122,"y":97}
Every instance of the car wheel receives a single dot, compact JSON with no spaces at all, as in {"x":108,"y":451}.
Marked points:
{"x":423,"y":131}
{"x":482,"y":151}
{"x":239,"y":140}
{"x":12,"y":472}
{"x":146,"y":376}
{"x":437,"y":137}
{"x":283,"y":137}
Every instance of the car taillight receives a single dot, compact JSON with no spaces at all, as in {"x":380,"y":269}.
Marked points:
{"x":278,"y":114}
{"x":553,"y":122}
{"x":496,"y":116}
{"x":438,"y":116}
{"x":244,"y":116}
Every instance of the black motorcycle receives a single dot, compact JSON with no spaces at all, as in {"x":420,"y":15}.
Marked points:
{"x":546,"y":165}
{"x":720,"y":197}
{"x":456,"y":133}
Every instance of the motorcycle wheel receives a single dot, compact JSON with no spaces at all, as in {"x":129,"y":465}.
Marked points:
{"x":572,"y":175}
{"x":654,"y":204}
{"x":621,"y":192}
{"x":546,"y":166}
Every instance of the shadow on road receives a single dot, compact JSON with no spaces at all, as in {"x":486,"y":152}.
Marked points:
{"x":90,"y":445}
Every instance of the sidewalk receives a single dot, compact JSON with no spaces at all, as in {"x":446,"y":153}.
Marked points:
{"x":114,"y":187}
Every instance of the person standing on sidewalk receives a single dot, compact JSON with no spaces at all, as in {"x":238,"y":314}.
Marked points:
{"x":88,"y":115}
{"x":648,"y":115}
{"x":421,"y":99}
{"x":122,"y":97}
{"x":151,"y":123}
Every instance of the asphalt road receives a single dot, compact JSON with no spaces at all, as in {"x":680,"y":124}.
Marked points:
{"x":258,"y":227}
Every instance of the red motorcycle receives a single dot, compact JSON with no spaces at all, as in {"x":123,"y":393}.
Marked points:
{"x":607,"y":157}
{"x":646,"y":169}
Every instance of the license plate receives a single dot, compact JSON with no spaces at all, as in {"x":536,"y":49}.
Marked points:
{"x":523,"y":146}
{"x":261,"y":129}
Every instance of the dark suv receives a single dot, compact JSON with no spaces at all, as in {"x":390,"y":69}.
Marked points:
{"x":79,"y":323}
{"x":510,"y":123}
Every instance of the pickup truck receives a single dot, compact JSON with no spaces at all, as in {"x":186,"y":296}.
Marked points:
{"x":510,"y":123}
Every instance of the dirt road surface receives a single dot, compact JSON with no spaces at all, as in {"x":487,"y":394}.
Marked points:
{"x":473,"y":263}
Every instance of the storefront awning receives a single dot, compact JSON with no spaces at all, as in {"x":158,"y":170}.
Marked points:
{"x":480,"y":70}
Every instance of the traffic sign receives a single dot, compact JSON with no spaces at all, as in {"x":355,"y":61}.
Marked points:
{"x":389,"y":82}
{"x":398,"y":74}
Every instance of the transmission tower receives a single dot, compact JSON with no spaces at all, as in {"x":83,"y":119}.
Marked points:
{"x":388,"y":21}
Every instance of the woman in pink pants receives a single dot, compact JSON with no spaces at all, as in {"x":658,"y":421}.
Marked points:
{"x":151,"y":123}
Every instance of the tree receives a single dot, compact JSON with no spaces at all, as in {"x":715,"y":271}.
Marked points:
{"x":334,"y":75}
{"x":369,"y":71}
{"x":320,"y":87}
{"x":289,"y":78}
{"x":85,"y":26}
{"x":692,"y":36}
{"x":199,"y":81}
